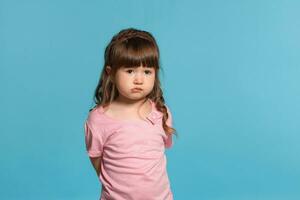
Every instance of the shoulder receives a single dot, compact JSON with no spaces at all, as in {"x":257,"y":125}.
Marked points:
{"x":99,"y":122}
{"x":93,"y":115}
{"x":154,"y":104}
{"x":160,"y":114}
{"x":95,"y":119}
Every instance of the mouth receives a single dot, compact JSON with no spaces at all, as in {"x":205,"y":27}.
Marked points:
{"x":136,"y":89}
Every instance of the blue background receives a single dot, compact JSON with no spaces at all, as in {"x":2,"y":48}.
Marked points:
{"x":230,"y":76}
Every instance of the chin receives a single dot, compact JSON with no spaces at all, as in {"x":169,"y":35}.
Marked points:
{"x":137,"y":98}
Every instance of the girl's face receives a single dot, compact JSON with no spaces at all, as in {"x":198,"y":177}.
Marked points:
{"x":134,"y":83}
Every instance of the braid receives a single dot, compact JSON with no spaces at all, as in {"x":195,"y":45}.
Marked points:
{"x":127,"y":34}
{"x":124,"y":36}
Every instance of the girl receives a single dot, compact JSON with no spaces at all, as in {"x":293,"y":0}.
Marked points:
{"x":126,"y":133}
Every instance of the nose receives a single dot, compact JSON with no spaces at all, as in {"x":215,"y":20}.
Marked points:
{"x":138,"y":78}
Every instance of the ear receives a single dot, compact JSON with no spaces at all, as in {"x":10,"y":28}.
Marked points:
{"x":108,"y":69}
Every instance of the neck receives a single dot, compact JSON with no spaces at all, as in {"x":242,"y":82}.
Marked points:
{"x":129,"y":103}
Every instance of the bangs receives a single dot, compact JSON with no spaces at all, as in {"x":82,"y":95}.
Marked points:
{"x":134,"y":52}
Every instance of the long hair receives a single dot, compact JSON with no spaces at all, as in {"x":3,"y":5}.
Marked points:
{"x":131,"y":48}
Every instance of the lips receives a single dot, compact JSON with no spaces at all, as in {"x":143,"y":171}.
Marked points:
{"x":136,"y":89}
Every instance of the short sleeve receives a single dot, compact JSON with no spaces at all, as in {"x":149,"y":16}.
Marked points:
{"x":169,"y":122}
{"x":93,"y":142}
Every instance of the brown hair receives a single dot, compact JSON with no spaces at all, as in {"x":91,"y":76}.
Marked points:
{"x":131,"y":48}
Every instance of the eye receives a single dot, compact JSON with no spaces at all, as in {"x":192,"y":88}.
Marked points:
{"x":148,"y":72}
{"x":129,"y":71}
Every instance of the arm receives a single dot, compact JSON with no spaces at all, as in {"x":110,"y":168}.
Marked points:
{"x":96,"y":162}
{"x":94,"y":146}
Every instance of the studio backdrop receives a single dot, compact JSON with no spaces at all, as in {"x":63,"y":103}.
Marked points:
{"x":230,"y":73}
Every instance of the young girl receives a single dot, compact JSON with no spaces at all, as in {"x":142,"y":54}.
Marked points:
{"x":126,"y":133}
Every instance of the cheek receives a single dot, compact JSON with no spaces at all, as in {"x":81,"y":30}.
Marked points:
{"x":122,"y":84}
{"x":153,"y":79}
{"x":151,"y":82}
{"x":122,"y":80}
{"x":118,"y":82}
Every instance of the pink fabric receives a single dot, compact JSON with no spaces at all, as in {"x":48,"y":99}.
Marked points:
{"x":133,"y":163}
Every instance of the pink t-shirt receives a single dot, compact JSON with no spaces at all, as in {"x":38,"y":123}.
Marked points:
{"x":133,"y":163}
